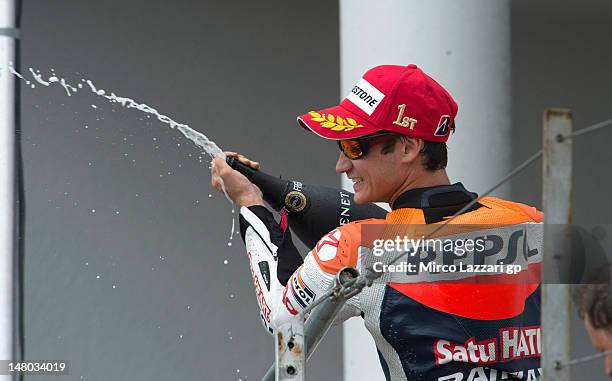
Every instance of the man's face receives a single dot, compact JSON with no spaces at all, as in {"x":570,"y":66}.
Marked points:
{"x":375,"y":176}
{"x":601,"y":339}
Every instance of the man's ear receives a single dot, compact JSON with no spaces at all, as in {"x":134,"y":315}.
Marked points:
{"x":411,"y":147}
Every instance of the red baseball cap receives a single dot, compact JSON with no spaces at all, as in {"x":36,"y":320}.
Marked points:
{"x":401,"y":99}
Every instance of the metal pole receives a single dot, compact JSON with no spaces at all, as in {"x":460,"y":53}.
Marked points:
{"x":11,"y":190}
{"x":321,"y":318}
{"x":556,"y":202}
{"x":8,"y":34}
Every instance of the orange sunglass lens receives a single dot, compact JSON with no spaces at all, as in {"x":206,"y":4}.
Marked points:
{"x":351,"y":148}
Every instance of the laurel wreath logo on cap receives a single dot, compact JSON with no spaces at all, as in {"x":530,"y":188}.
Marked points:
{"x":334,"y":122}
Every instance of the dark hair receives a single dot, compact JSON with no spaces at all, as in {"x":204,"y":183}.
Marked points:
{"x":595,"y":300}
{"x":435,"y":153}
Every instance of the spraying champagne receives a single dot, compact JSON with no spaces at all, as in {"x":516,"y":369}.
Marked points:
{"x":312,"y":211}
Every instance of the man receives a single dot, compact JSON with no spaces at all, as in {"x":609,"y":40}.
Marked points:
{"x":594,"y":303}
{"x":392,"y":130}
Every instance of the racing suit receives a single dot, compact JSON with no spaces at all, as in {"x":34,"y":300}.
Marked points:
{"x":445,"y":331}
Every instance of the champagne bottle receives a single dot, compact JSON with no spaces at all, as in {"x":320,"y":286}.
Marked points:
{"x":312,"y":211}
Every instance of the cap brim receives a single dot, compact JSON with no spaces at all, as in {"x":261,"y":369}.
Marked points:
{"x":336,"y":123}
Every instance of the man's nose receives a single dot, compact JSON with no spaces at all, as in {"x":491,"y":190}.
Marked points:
{"x":343,"y":164}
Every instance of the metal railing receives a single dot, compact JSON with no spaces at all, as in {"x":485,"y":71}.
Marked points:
{"x":296,"y":340}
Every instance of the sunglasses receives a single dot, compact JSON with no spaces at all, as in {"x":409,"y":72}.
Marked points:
{"x":357,"y":148}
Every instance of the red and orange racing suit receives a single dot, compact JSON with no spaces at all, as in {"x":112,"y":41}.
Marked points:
{"x":438,"y":330}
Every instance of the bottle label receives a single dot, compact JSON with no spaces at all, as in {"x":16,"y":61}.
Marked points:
{"x":295,"y":201}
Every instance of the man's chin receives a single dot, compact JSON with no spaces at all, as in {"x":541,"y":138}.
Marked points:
{"x":360,"y":198}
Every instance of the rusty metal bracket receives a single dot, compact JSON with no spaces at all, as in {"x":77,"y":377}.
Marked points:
{"x":318,"y":323}
{"x":290,"y":351}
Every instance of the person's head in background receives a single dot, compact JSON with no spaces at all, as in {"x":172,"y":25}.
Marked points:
{"x":594,"y":303}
